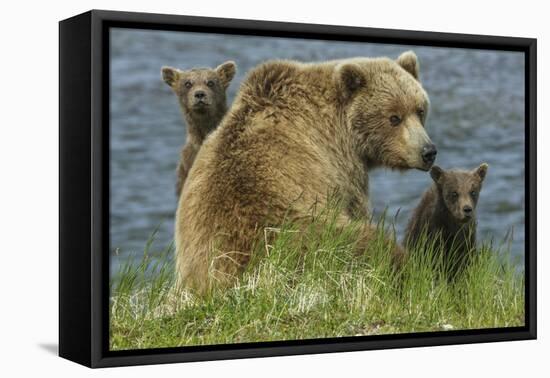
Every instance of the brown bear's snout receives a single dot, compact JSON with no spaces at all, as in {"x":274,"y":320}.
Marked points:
{"x":200,"y":100}
{"x":429,"y":153}
{"x":468,"y":210}
{"x":200,"y":95}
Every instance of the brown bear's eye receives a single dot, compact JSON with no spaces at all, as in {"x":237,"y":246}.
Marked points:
{"x":395,"y":120}
{"x":188,"y":84}
{"x":473,"y":193}
{"x":210,"y":83}
{"x":420,"y":113}
{"x":454,"y":195}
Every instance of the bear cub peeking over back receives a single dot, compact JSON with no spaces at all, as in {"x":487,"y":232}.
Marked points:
{"x":447,"y":210}
{"x":202,"y":99}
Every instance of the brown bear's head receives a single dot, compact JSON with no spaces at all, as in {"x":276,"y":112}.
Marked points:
{"x":386,"y":108}
{"x":459,"y":190}
{"x":200,"y":91}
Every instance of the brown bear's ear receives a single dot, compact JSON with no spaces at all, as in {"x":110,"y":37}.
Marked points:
{"x":170,"y":75}
{"x":437,"y":174}
{"x":481,"y":171}
{"x":225,"y":72}
{"x":351,"y":78}
{"x":409,"y":62}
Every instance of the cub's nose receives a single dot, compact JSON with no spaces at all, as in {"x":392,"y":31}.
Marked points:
{"x":428,"y":153}
{"x":467,"y":210}
{"x":199,"y":95}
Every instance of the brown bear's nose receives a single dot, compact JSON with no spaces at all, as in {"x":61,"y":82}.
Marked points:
{"x":467,"y":210}
{"x":428,"y":153}
{"x":200,"y":95}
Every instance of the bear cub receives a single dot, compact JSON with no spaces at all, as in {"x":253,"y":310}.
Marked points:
{"x":201,"y":95}
{"x":447,"y":210}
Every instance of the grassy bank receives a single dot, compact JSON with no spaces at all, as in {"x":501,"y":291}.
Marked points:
{"x":326,"y":292}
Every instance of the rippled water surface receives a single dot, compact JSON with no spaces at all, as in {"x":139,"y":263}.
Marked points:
{"x":477,"y":115}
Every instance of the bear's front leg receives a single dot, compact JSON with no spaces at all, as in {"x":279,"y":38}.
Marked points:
{"x":187,"y":157}
{"x":369,"y":234}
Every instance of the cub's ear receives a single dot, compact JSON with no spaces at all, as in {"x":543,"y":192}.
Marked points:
{"x":409,"y":62}
{"x":170,"y":75}
{"x":226,"y":72}
{"x":437,"y":174}
{"x":481,"y":171}
{"x":350,"y":78}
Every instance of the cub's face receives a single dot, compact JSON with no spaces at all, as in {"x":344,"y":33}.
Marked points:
{"x":200,"y":90}
{"x":386,"y":108}
{"x":460,"y":190}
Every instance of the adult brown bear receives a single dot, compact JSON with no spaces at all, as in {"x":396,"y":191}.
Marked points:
{"x":295,"y":133}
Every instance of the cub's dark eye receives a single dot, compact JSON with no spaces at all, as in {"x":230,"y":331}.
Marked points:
{"x":395,"y":120}
{"x":420,"y":113}
{"x":210,"y":83}
{"x":473,"y":193}
{"x":454,"y":195}
{"x":188,"y":84}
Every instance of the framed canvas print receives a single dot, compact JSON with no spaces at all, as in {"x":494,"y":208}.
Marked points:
{"x":234,"y":188}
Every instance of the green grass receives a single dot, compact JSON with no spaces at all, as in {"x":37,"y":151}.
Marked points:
{"x":306,"y":285}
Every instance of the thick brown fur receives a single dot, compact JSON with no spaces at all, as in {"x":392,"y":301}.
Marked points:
{"x":295,"y":134}
{"x":440,"y":214}
{"x":201,"y":94}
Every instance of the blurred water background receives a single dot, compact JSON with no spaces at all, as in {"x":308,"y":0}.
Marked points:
{"x":477,"y":115}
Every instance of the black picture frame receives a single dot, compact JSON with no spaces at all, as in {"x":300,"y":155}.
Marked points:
{"x":84,"y":188}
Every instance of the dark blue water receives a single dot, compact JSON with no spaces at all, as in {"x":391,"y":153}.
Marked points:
{"x":477,"y":115}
